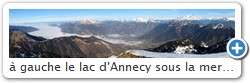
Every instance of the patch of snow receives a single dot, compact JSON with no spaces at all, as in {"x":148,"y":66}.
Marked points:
{"x":112,"y":56}
{"x":217,"y":26}
{"x":123,"y":20}
{"x":203,"y":44}
{"x":140,"y":19}
{"x":22,"y":55}
{"x":185,"y":49}
{"x":88,"y":21}
{"x":221,"y":18}
{"x":114,"y":35}
{"x":132,"y":35}
{"x":229,"y":18}
{"x":172,"y":55}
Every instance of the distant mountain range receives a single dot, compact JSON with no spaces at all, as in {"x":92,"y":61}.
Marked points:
{"x":94,"y":27}
{"x":22,"y":28}
{"x":192,"y":17}
{"x":189,"y":17}
{"x":134,"y":27}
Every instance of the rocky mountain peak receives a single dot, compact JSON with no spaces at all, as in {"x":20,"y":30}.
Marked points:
{"x":89,"y":21}
{"x":16,"y":36}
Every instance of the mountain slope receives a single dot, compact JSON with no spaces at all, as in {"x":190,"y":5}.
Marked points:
{"x":22,"y":45}
{"x":210,"y":34}
{"x":174,"y":30}
{"x":190,"y":47}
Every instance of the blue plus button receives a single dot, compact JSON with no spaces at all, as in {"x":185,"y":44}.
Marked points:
{"x":237,"y":48}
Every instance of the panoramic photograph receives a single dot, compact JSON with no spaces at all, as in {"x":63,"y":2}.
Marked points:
{"x":120,"y":33}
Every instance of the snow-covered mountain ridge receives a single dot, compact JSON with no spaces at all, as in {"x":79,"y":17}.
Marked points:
{"x":155,"y":20}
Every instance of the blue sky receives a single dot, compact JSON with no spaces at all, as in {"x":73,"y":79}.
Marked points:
{"x":50,"y":15}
